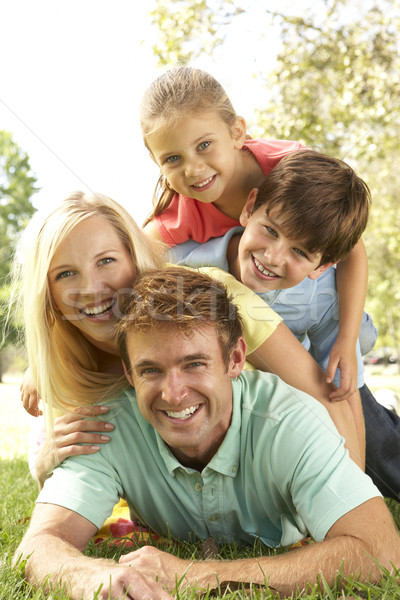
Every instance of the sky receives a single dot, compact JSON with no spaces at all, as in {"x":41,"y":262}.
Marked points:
{"x":71,"y":79}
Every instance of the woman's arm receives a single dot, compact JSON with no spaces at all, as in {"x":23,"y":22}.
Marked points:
{"x":281,"y":353}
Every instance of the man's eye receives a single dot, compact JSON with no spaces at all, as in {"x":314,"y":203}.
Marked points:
{"x":172,"y":159}
{"x":64,"y":275}
{"x":203,"y":145}
{"x":195,"y":364}
{"x":149,"y":371}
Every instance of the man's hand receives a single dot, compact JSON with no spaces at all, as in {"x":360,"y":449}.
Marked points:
{"x":163,"y":567}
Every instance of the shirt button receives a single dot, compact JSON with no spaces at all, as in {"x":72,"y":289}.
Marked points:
{"x":198,"y":487}
{"x":214,"y":518}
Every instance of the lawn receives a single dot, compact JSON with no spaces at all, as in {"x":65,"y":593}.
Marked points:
{"x":17,"y":496}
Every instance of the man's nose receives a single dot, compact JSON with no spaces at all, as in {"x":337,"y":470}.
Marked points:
{"x":174,"y":389}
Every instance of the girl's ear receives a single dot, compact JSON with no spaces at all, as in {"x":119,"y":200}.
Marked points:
{"x":238,"y":132}
{"x":248,"y":208}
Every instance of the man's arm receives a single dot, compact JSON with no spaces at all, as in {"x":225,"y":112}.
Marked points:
{"x":351,"y":546}
{"x":52,"y":548}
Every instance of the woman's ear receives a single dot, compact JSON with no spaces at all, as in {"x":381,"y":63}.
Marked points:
{"x":238,"y":132}
{"x":248,"y":208}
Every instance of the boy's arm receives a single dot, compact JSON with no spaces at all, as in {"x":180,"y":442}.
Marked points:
{"x":351,"y":282}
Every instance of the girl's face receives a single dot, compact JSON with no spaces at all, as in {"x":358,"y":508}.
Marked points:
{"x":89,"y":271}
{"x":198,"y":154}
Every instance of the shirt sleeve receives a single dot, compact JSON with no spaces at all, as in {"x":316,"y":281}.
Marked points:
{"x":259,"y":320}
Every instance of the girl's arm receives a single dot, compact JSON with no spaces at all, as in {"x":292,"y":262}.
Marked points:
{"x":281,"y":353}
{"x":351,"y":282}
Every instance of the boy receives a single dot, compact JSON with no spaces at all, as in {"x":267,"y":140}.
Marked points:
{"x":307,"y":215}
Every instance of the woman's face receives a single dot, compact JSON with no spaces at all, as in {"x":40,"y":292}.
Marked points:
{"x":88,"y":273}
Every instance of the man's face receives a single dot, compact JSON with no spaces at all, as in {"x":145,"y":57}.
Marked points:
{"x":268,"y":259}
{"x":183,"y":387}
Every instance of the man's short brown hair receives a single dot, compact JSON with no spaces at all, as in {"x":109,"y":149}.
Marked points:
{"x":183,"y":298}
{"x":321,"y":201}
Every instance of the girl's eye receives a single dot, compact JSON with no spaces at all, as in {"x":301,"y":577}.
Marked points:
{"x":203,"y":145}
{"x":64,"y":275}
{"x":172,"y":159}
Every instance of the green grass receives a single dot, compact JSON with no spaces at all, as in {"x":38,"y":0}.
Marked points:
{"x":17,"y":496}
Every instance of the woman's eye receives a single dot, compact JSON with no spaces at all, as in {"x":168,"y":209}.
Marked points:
{"x":64,"y":275}
{"x":172,"y":159}
{"x":204,"y":145}
{"x":107,"y":260}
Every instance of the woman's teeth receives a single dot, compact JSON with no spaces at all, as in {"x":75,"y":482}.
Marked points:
{"x":183,"y":414}
{"x":96,"y":310}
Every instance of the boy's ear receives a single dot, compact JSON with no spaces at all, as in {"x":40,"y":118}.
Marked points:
{"x":319,"y":270}
{"x":248,"y":208}
{"x":127,"y":374}
{"x":238,"y":132}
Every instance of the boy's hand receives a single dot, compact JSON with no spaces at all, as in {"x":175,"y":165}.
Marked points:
{"x":344,"y":359}
{"x":29,"y":395}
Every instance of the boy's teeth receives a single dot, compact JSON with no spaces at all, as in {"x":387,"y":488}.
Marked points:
{"x":96,"y":310}
{"x":261,"y":268}
{"x":183,"y":414}
{"x":200,"y":185}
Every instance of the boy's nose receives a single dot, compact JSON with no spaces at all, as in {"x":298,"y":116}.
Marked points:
{"x":274,"y":255}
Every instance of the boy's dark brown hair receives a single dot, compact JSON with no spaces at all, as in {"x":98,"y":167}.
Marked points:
{"x":183,"y":298}
{"x":320,"y":200}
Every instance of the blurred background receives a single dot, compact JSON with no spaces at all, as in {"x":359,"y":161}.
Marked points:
{"x":325,"y":72}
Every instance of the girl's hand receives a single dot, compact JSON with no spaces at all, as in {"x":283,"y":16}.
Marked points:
{"x":343,"y":358}
{"x":70,"y":432}
{"x":29,"y":395}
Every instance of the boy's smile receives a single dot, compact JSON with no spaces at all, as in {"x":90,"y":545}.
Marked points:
{"x":266,"y":259}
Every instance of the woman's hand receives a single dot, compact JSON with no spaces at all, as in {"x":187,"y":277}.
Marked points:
{"x":74,"y":435}
{"x":29,"y":395}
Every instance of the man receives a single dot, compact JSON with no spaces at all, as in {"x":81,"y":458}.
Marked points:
{"x":205,"y":450}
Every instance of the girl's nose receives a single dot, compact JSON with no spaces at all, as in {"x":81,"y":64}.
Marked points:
{"x":193,"y":167}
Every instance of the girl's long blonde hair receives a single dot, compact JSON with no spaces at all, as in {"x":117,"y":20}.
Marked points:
{"x":63,"y":362}
{"x":178,"y":92}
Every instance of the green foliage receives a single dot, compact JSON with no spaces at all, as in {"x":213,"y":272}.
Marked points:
{"x":336,"y":87}
{"x":17,"y":186}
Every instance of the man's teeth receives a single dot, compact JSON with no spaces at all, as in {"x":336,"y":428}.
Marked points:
{"x":200,"y":185}
{"x":261,"y":268}
{"x":96,"y":310}
{"x":183,"y":414}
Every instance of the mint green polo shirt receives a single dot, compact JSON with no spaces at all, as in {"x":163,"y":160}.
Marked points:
{"x":280,"y":474}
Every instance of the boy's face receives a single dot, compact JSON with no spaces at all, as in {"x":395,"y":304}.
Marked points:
{"x":269,"y":260}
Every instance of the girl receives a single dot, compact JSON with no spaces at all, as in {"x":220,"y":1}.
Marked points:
{"x":208,"y":168}
{"x":74,"y":270}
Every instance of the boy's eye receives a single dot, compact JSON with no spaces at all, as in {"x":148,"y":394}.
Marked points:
{"x":271,"y":231}
{"x":172,"y":159}
{"x":203,"y":145}
{"x":300,"y":252}
{"x":64,"y":275}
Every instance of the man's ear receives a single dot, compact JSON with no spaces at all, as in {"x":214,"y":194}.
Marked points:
{"x":319,"y":270}
{"x":248,"y":208}
{"x":128,"y":374}
{"x":237,"y":358}
{"x":238,"y":132}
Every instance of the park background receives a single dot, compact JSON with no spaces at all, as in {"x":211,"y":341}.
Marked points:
{"x":325,"y":72}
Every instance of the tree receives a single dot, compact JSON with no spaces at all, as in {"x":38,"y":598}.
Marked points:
{"x":17,"y":186}
{"x":335,"y":87}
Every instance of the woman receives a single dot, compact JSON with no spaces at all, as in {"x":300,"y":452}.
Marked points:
{"x":75,"y":269}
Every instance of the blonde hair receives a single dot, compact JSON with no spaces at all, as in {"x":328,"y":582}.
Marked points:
{"x":180,"y":91}
{"x":63,"y":362}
